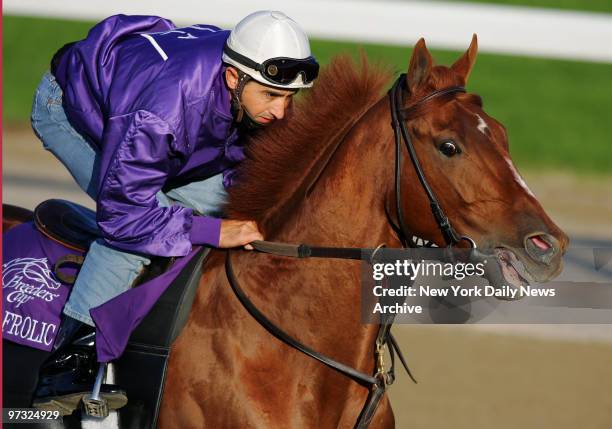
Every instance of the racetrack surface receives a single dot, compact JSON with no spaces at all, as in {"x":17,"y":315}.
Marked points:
{"x":470,"y":379}
{"x":496,"y":376}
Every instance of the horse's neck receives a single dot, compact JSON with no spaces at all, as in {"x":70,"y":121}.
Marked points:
{"x":320,"y":298}
{"x":345,"y":206}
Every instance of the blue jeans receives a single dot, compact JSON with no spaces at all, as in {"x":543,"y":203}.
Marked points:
{"x":107,"y":271}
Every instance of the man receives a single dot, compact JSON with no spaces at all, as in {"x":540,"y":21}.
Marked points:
{"x":147,"y":118}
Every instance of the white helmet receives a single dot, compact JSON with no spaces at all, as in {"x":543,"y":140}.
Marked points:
{"x":273,"y":49}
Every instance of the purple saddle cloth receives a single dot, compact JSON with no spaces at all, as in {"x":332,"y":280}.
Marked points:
{"x":33,"y":296}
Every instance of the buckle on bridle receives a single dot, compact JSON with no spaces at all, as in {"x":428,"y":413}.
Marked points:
{"x":381,"y":375}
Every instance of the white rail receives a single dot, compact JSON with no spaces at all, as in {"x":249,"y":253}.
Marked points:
{"x":503,"y":29}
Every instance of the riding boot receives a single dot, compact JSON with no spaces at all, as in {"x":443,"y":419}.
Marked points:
{"x":69,"y":376}
{"x":69,"y":328}
{"x":70,"y":372}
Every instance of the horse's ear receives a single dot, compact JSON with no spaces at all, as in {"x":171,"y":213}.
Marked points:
{"x":463,"y":66}
{"x":420,"y":66}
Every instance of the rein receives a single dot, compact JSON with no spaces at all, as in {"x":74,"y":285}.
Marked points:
{"x":382,"y":378}
{"x":377,"y":382}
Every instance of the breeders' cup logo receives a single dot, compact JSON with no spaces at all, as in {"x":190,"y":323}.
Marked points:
{"x":30,"y":278}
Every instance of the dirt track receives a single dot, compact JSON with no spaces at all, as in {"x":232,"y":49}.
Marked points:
{"x":471,"y":380}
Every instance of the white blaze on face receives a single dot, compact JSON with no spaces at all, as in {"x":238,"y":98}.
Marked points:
{"x":482,"y":125}
{"x":517,"y":177}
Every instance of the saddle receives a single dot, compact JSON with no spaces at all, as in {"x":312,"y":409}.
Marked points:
{"x":141,"y":370}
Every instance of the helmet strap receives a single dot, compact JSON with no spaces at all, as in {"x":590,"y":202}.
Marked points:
{"x":241,"y":115}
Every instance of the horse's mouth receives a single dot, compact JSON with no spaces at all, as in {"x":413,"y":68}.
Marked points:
{"x":512,"y":269}
{"x":504,"y":268}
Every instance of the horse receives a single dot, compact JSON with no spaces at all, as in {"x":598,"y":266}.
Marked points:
{"x":326,"y":177}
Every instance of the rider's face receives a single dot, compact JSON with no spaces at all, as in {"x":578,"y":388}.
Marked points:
{"x":265,"y":104}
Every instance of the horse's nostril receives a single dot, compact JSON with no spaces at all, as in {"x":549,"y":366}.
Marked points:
{"x":541,"y":247}
{"x":540,"y":243}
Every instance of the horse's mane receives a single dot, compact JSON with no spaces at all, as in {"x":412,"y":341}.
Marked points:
{"x":272,"y":178}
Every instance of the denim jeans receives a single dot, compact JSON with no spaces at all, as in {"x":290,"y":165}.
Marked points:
{"x":107,"y":271}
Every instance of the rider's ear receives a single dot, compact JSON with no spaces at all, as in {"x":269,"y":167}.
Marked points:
{"x":231,"y":77}
{"x":420,"y":66}
{"x":463,"y":66}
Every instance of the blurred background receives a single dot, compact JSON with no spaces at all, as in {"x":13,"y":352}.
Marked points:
{"x":544,"y":70}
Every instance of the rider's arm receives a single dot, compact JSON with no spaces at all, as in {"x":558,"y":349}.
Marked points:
{"x":128,"y":212}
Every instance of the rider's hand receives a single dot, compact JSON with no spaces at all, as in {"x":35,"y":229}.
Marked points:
{"x":236,"y":233}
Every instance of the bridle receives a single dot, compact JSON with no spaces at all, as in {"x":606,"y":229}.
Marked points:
{"x":398,"y":122}
{"x":382,"y":378}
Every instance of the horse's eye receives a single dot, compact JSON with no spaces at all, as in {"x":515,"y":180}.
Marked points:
{"x":449,"y":148}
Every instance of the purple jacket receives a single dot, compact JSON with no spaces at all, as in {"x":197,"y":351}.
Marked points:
{"x":152,"y":98}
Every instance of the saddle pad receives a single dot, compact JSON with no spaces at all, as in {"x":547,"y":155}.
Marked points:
{"x":33,"y":296}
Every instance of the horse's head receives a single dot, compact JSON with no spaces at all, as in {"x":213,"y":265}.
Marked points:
{"x":464,"y":155}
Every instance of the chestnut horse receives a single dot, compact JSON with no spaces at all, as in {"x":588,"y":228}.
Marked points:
{"x":226,"y":370}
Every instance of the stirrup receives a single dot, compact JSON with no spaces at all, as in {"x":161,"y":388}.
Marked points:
{"x":94,"y":404}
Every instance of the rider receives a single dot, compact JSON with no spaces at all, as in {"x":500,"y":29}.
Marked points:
{"x":147,"y":118}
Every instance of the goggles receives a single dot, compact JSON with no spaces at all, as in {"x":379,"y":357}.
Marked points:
{"x":280,"y":70}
